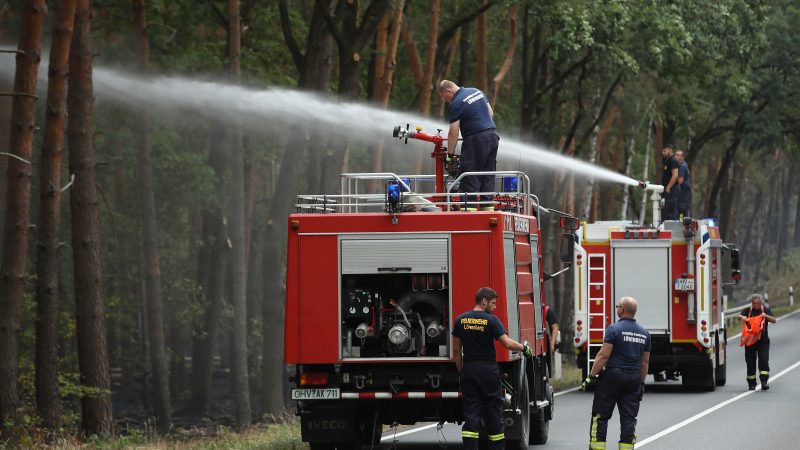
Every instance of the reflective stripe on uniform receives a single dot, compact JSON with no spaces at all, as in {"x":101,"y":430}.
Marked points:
{"x":487,"y":208}
{"x":593,"y":442}
{"x":497,"y":437}
{"x":763,"y":372}
{"x":751,"y":377}
{"x":471,"y":209}
{"x":623,"y":445}
{"x":469,"y":434}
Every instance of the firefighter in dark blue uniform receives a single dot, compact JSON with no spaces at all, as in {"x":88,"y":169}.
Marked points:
{"x":759,"y":350}
{"x":669,"y":179}
{"x":474,"y":332}
{"x":625,"y":356}
{"x":470,"y":113}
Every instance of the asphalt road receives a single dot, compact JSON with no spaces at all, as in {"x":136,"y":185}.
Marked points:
{"x":669,"y":418}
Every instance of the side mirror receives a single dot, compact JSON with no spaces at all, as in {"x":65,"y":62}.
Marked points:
{"x":569,"y":223}
{"x":567,"y":247}
{"x":736,"y":266}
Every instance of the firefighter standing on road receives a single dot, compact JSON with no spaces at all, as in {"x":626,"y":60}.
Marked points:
{"x":759,"y":349}
{"x":475,"y":331}
{"x":625,"y":355}
{"x":470,"y":113}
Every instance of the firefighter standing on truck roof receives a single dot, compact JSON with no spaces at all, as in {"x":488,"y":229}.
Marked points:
{"x":625,"y":355}
{"x":474,"y":332}
{"x":470,"y":113}
{"x":669,"y":179}
{"x":760,"y":347}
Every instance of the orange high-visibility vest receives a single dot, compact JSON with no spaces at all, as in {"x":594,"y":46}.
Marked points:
{"x":752,"y":327}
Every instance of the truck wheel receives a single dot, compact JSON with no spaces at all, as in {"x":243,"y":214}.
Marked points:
{"x":370,"y":432}
{"x":721,"y":369}
{"x":540,"y":425}
{"x":524,"y":402}
{"x":321,"y":446}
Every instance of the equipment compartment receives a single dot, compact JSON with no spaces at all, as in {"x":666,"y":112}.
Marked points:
{"x":395,"y":316}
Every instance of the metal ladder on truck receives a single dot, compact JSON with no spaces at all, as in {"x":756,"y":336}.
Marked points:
{"x":597,"y":296}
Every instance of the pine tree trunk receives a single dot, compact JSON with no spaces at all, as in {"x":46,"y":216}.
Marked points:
{"x":272,"y":378}
{"x":159,"y":359}
{"x":85,"y":213}
{"x":241,"y":385}
{"x":430,"y":60}
{"x":481,"y":52}
{"x":211,"y":258}
{"x":48,"y":400}
{"x":13,"y":266}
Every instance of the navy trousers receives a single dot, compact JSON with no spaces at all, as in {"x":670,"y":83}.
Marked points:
{"x":621,"y":389}
{"x":671,"y":203}
{"x":758,"y":351}
{"x":479,"y":154}
{"x":482,"y":399}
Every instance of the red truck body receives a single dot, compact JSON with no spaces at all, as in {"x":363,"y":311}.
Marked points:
{"x":372,"y":291}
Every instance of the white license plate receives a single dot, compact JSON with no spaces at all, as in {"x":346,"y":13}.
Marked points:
{"x":684,"y":284}
{"x":315,"y":394}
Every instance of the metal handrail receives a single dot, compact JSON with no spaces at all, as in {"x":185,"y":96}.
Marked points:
{"x":351,"y":200}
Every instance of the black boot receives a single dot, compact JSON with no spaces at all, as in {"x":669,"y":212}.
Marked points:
{"x":764,"y":383}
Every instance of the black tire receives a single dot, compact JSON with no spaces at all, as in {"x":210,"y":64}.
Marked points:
{"x":540,"y":426}
{"x":321,"y":446}
{"x":699,"y":378}
{"x":524,"y":402}
{"x":720,"y":372}
{"x":370,"y":432}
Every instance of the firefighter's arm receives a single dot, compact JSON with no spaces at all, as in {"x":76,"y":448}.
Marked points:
{"x":452,"y":137}
{"x":510,"y":344}
{"x":672,"y":180}
{"x":645,"y":365}
{"x":553,"y":336}
{"x":601,"y":359}
{"x":457,"y":357}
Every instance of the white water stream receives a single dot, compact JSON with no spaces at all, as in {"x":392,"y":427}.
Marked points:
{"x":283,"y":107}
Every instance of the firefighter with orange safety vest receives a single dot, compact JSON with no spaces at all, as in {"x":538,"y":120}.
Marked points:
{"x":755,"y":340}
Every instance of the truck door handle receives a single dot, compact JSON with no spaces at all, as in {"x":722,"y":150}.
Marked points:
{"x":394,"y":269}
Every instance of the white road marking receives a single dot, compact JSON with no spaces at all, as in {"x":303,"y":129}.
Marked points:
{"x":567,"y":391}
{"x":638,"y":444}
{"x":429,"y":426}
{"x":403,"y":433}
{"x":712,"y":409}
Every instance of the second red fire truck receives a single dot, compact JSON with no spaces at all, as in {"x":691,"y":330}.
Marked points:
{"x":678,"y":271}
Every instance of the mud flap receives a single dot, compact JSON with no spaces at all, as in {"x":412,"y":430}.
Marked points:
{"x":329,"y":423}
{"x":512,"y":419}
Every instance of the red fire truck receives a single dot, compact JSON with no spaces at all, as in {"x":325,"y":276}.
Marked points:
{"x":374,"y":282}
{"x":678,"y":271}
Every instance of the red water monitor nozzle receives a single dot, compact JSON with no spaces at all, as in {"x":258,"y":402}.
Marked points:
{"x":439,"y":151}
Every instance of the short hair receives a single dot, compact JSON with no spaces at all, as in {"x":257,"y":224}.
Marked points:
{"x":445,"y":85}
{"x":485,"y":293}
{"x":754,"y":297}
{"x":629,"y":304}
{"x":680,"y":151}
